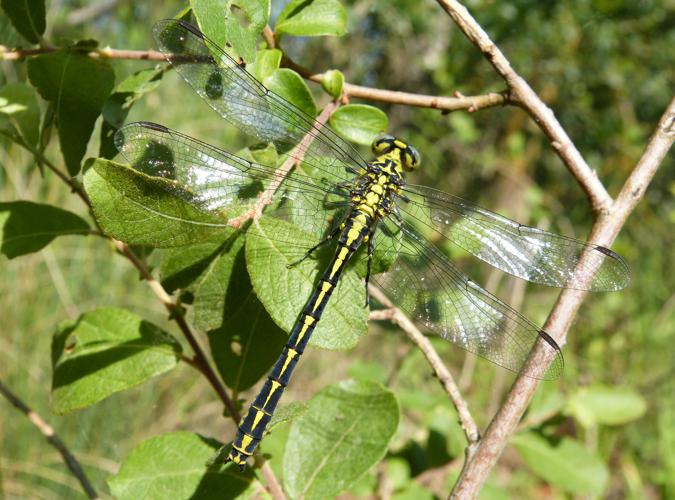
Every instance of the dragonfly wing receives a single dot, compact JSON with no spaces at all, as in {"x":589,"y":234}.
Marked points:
{"x":429,"y":288}
{"x":526,"y":252}
{"x":238,"y":97}
{"x":217,"y":181}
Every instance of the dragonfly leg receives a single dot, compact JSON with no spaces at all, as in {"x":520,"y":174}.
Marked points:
{"x":371,"y":250}
{"x":309,"y":252}
{"x":348,"y":185}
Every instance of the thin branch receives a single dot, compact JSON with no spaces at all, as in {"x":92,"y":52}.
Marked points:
{"x":293,"y":160}
{"x":523,"y":95}
{"x":442,"y":103}
{"x":71,"y":182}
{"x":52,"y":438}
{"x":273,"y":484}
{"x":395,"y":315}
{"x":446,"y":104}
{"x":268,"y":36}
{"x":603,"y":233}
{"x":200,"y":360}
{"x":104,"y":53}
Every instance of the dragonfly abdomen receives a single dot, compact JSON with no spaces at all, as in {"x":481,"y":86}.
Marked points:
{"x":252,"y":426}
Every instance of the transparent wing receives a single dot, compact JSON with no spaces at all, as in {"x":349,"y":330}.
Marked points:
{"x":427,"y":286}
{"x":526,"y":252}
{"x":246,"y":103}
{"x":214,"y":180}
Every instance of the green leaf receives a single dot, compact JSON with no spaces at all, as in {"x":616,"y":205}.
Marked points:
{"x":247,"y":348}
{"x":117,"y":106}
{"x":464,"y":127}
{"x":361,"y":370}
{"x":106,"y":351}
{"x":606,"y":405}
{"x":181,"y":267}
{"x":244,"y":339}
{"x":284,"y":291}
{"x":286,"y":414}
{"x":142,"y":210}
{"x":568,"y":465}
{"x":289,"y":85}
{"x":19,"y":103}
{"x":547,"y":402}
{"x":333,"y":82}
{"x":415,"y":491}
{"x":27,"y":227}
{"x":27,"y":16}
{"x":446,"y":438}
{"x":346,"y":430}
{"x":312,"y":18}
{"x":359,"y":123}
{"x":398,"y":472}
{"x":77,"y":86}
{"x":174,"y":465}
{"x":266,"y":62}
{"x":233,"y":22}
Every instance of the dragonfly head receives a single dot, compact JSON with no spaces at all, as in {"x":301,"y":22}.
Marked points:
{"x":398,"y":150}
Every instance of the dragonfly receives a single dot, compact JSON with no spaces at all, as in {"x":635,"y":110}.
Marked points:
{"x":339,"y":198}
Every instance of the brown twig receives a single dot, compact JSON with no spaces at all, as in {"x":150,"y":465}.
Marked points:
{"x":603,"y":233}
{"x":200,"y":361}
{"x":71,"y":182}
{"x":395,"y":315}
{"x":273,"y":484}
{"x":442,"y":103}
{"x":105,"y":53}
{"x":52,"y":438}
{"x":522,"y":94}
{"x":294,"y":159}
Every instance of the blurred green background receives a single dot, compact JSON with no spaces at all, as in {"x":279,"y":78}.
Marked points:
{"x":605,"y":67}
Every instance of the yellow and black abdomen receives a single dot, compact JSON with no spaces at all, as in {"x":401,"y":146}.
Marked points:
{"x":252,"y":426}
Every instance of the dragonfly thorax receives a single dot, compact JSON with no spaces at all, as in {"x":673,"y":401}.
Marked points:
{"x":375,"y":190}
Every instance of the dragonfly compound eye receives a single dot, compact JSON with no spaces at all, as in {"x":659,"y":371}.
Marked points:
{"x":383,"y":144}
{"x":411,"y":158}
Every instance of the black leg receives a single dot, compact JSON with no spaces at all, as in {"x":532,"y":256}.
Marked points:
{"x":371,"y":250}
{"x":309,"y":252}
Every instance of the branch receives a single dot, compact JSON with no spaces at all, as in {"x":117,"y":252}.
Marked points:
{"x":446,"y":104}
{"x":200,"y":360}
{"x":603,"y":233}
{"x":395,"y":315}
{"x":294,"y":159}
{"x":49,"y":434}
{"x":523,"y":95}
{"x":40,"y":158}
{"x":105,"y":53}
{"x":274,"y":487}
